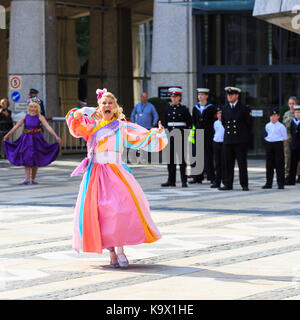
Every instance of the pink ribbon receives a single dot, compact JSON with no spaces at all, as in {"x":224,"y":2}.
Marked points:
{"x":81,"y":168}
{"x":100,"y":93}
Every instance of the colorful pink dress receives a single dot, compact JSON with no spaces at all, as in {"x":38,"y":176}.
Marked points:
{"x":111,"y":208}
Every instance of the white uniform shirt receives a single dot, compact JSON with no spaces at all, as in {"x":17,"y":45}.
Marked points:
{"x":219,"y":131}
{"x":275,"y":132}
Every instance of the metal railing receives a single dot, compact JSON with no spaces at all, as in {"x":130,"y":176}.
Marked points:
{"x":69,"y":143}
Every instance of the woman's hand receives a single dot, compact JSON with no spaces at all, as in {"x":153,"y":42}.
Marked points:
{"x":97,"y":115}
{"x":160,"y":128}
{"x":58,"y":139}
{"x":5,"y":137}
{"x":77,"y":114}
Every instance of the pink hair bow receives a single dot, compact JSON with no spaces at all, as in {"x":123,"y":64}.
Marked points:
{"x":100,"y":93}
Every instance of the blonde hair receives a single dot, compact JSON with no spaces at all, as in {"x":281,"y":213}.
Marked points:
{"x":4,"y":100}
{"x":34,"y":104}
{"x":119,"y":113}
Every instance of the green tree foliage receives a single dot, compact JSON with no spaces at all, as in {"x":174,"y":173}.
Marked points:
{"x":160,"y":106}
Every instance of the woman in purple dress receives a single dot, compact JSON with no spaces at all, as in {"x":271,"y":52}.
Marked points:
{"x":30,"y":149}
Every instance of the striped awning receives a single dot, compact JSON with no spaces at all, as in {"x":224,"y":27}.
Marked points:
{"x":215,"y":5}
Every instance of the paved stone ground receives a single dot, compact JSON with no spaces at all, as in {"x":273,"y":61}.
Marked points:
{"x":215,"y":245}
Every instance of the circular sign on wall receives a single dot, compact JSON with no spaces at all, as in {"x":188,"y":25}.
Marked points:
{"x":15,"y":82}
{"x":15,"y":96}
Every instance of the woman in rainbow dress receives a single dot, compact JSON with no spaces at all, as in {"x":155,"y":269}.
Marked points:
{"x":111,"y":210}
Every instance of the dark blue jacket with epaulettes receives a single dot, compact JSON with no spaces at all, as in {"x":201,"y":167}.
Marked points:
{"x":237,"y":123}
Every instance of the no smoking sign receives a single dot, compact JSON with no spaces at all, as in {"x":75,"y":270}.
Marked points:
{"x":15,"y":82}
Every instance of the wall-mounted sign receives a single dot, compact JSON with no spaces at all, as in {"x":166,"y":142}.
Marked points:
{"x":257,"y":113}
{"x":15,"y":96}
{"x":20,"y":107}
{"x":15,"y":82}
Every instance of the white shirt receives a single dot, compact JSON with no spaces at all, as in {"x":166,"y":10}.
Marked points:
{"x":219,"y":131}
{"x":275,"y":132}
{"x":232,"y":105}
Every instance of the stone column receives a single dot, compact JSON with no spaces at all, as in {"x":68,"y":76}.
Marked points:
{"x":96,"y":49}
{"x":33,"y":50}
{"x":173,"y":52}
{"x":3,"y":64}
{"x":67,"y":64}
{"x":114,"y":55}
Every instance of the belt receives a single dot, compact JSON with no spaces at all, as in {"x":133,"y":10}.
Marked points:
{"x":108,"y":157}
{"x":176,"y":124}
{"x":32,"y":130}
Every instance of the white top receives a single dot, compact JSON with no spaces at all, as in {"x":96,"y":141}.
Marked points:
{"x":219,"y":131}
{"x":88,"y":111}
{"x":275,"y":132}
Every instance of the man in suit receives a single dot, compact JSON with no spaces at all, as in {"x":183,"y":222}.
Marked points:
{"x":177,"y":116}
{"x":203,"y":116}
{"x":237,"y":122}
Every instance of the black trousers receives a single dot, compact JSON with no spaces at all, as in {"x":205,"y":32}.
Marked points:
{"x":275,"y":161}
{"x":295,"y":157}
{"x":237,"y":152}
{"x":208,"y":160}
{"x":172,"y":165}
{"x":219,"y":162}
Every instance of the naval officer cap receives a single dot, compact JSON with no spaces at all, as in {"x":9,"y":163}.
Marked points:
{"x":233,"y":90}
{"x":175,"y":92}
{"x":203,"y":90}
{"x":296,"y":107}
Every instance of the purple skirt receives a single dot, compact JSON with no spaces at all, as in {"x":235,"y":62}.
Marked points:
{"x":31,"y":150}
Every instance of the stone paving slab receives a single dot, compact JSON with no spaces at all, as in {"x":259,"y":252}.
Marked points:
{"x":215,"y":245}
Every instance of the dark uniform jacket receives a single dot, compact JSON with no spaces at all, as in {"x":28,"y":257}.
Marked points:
{"x":295,"y":133}
{"x":6,"y":123}
{"x":205,"y":120}
{"x":175,"y":114}
{"x":237,"y":123}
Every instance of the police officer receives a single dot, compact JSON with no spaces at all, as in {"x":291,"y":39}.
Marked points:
{"x":177,"y":116}
{"x":203,"y":116}
{"x":237,"y":122}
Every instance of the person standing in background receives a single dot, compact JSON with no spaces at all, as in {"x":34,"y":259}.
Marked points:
{"x":218,"y":150}
{"x":237,"y":122}
{"x":178,"y":117}
{"x":6,"y":122}
{"x":33,"y":93}
{"x":144,"y":113}
{"x":287,"y":119}
{"x":203,"y":116}
{"x":275,"y":139}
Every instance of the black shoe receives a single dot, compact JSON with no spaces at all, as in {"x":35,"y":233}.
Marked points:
{"x":288,"y":183}
{"x":225,"y":188}
{"x":215,"y":185}
{"x":184,"y":185}
{"x":298,"y":180}
{"x":267,"y":186}
{"x":195,"y":181}
{"x":280,"y":187}
{"x":245,"y":189}
{"x":168,"y":184}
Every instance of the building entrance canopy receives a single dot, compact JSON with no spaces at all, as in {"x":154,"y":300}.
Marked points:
{"x":216,"y":5}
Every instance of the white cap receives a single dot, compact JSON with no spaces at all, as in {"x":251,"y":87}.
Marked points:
{"x":233,"y":89}
{"x":204,"y":90}
{"x":175,"y":91}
